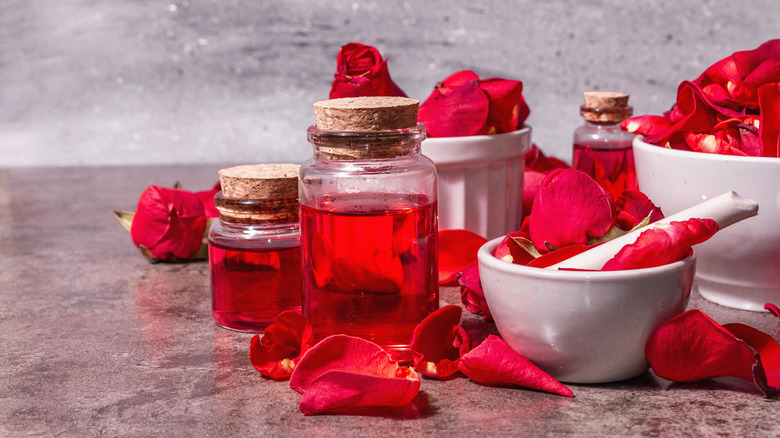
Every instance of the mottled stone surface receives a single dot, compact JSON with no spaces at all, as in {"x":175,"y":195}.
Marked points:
{"x":196,"y":81}
{"x":98,"y":341}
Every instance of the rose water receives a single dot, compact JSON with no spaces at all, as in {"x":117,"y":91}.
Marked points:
{"x":251,"y":286}
{"x":370,"y":266}
{"x":601,"y":148}
{"x":613,"y":167}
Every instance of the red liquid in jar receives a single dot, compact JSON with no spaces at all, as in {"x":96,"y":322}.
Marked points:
{"x":249,"y":288}
{"x":612,"y":168}
{"x":370,"y":266}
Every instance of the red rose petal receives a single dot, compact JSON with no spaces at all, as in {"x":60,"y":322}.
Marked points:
{"x":457,"y":112}
{"x":570,"y":207}
{"x":769,"y":126}
{"x":284,"y":342}
{"x":457,"y":248}
{"x":646,"y":125}
{"x":508,"y":109}
{"x":345,"y":372}
{"x":207,"y":198}
{"x":772,"y":308}
{"x":769,"y":353}
{"x":438,"y":343}
{"x":509,"y":251}
{"x":339,"y":390}
{"x":380,"y":272}
{"x":692,"y":347}
{"x":662,"y":244}
{"x":633,"y":207}
{"x":471,"y":294}
{"x":169,"y":223}
{"x":361,"y":71}
{"x":537,"y":166}
{"x":559,"y":255}
{"x":494,"y":363}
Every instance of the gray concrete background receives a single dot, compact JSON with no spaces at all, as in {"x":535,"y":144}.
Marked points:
{"x":86,"y":82}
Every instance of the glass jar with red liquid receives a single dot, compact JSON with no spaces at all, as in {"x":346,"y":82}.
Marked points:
{"x":601,"y":148}
{"x":254,"y":247}
{"x":368,"y":222}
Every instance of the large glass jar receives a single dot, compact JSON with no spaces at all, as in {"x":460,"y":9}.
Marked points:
{"x":369,"y":233}
{"x":254,"y":247}
{"x":601,"y":148}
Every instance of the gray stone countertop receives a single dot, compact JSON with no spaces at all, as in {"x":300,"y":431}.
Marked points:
{"x":98,"y":341}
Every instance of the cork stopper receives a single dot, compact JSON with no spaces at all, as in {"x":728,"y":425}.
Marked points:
{"x":358,"y":128}
{"x":375,"y":113}
{"x":259,"y":193}
{"x":260,"y":181}
{"x":606,"y":107}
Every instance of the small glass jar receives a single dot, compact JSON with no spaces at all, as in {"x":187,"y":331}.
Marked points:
{"x":601,"y":148}
{"x":369,"y":232}
{"x":254,"y":248}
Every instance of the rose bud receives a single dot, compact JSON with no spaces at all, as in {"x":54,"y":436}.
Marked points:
{"x":168,"y":224}
{"x":361,"y":71}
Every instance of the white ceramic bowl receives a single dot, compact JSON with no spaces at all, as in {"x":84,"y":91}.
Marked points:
{"x":480,"y":181}
{"x":583,"y":326}
{"x":740,"y":266}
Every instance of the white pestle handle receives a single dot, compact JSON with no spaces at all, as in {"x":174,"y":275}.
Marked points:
{"x":725,"y":209}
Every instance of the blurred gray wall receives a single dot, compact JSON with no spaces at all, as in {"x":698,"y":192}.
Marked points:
{"x":87,"y":82}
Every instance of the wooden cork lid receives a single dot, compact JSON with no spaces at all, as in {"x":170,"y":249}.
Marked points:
{"x":375,"y":113}
{"x":260,"y":181}
{"x":606,"y":107}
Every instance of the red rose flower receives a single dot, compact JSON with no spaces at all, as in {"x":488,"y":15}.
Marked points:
{"x":463,"y":104}
{"x":361,"y":71}
{"x":169,"y":223}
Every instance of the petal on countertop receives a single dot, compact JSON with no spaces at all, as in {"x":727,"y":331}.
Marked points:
{"x":494,"y":363}
{"x":457,"y":249}
{"x":438,"y":343}
{"x":284,"y":342}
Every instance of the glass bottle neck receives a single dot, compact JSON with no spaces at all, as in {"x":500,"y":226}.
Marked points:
{"x":366,"y":145}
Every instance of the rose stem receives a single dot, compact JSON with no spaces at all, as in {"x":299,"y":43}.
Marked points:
{"x":725,"y":209}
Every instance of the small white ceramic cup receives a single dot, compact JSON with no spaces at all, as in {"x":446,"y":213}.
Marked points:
{"x":480,"y":181}
{"x":583,"y":326}
{"x":740,"y":266}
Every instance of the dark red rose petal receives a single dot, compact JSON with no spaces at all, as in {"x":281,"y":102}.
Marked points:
{"x":662,"y":244}
{"x":772,"y":308}
{"x":282,"y":345}
{"x":508,"y":109}
{"x":692,"y":347}
{"x":769,"y":353}
{"x":646,"y":125}
{"x":494,"y":363}
{"x":471,"y":294}
{"x":769,"y":127}
{"x":457,"y":248}
{"x":438,"y":343}
{"x":570,"y":208}
{"x":346,"y":372}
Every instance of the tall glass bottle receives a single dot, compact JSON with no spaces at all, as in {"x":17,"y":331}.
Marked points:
{"x":368,"y":222}
{"x":254,"y":247}
{"x":601,"y":148}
